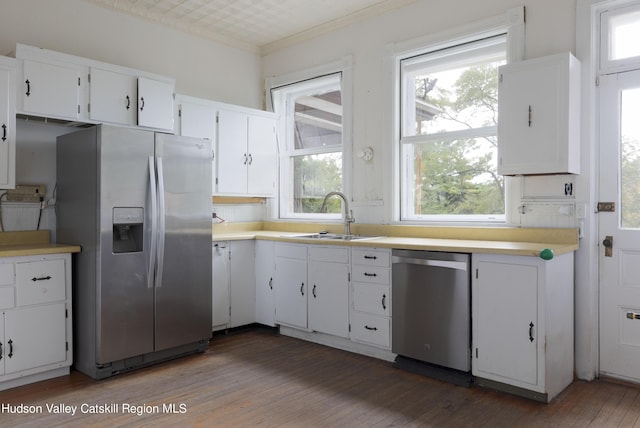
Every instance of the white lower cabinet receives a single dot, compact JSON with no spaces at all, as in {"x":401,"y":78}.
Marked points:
{"x":312,"y":288}
{"x":371,"y":296}
{"x":291,"y":284}
{"x":522,"y":314}
{"x":35,"y":318}
{"x":328,"y":272}
{"x":265,"y":295}
{"x":233,"y":285}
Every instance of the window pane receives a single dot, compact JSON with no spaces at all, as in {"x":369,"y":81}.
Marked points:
{"x":625,"y":33}
{"x":314,"y":177}
{"x":455,"y":177}
{"x":318,"y":120}
{"x":630,"y":159}
{"x":454,"y":99}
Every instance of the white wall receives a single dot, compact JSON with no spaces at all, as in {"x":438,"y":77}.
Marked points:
{"x":550,"y":28}
{"x":201,"y":68}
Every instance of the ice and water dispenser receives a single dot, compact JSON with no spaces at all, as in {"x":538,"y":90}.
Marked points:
{"x":128,"y":227}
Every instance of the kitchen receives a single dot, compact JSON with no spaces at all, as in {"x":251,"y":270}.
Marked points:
{"x":238,"y":79}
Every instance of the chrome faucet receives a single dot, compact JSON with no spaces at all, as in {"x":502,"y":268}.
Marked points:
{"x":348,"y":214}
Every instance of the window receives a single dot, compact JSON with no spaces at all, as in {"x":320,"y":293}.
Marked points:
{"x":448,"y":135}
{"x":619,"y":50}
{"x":311,"y":157}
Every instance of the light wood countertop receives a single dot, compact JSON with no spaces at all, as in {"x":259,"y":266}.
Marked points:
{"x":31,"y":243}
{"x":513,"y":241}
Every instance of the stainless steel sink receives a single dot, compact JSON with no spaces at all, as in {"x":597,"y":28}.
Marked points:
{"x":332,"y":236}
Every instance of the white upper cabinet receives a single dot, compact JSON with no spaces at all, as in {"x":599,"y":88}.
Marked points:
{"x":51,"y":90}
{"x":7,"y":124}
{"x":155,"y":103}
{"x":247,"y":153}
{"x":68,"y":87}
{"x":112,"y":97}
{"x":539,"y":114}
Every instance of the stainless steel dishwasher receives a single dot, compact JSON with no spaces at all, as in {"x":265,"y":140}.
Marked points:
{"x":431,"y":307}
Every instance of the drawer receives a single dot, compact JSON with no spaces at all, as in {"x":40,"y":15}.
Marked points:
{"x":6,"y":274}
{"x":371,"y":257}
{"x":371,"y":329}
{"x":372,"y":298}
{"x":6,"y":298}
{"x":40,"y":282}
{"x":329,"y":254}
{"x":291,"y":251}
{"x":372,"y":274}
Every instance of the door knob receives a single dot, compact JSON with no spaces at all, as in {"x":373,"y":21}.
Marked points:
{"x":608,"y":246}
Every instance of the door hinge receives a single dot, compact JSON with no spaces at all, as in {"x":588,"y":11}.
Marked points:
{"x":606,"y":207}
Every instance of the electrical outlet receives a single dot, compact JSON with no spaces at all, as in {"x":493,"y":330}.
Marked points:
{"x":26,"y":193}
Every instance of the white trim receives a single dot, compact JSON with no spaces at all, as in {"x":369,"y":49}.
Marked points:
{"x":343,"y":66}
{"x":512,"y":22}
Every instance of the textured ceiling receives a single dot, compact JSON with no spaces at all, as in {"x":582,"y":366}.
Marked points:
{"x":257,"y":25}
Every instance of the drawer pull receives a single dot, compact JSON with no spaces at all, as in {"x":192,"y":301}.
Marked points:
{"x":371,"y":328}
{"x":370,"y":274}
{"x":271,"y":283}
{"x":384,"y":301}
{"x":313,"y":291}
{"x":42,"y":278}
{"x":302,"y":289}
{"x":371,"y":257}
{"x":0,"y":350}
{"x":10,"y":354}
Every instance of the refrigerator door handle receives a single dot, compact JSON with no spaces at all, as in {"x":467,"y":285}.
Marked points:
{"x":154,"y":226}
{"x":161,"y":223}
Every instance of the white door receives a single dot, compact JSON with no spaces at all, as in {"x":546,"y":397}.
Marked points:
{"x":51,"y":90}
{"x":155,"y":104}
{"x":112,"y":97}
{"x":291,"y":291}
{"x":232,"y":152}
{"x":220,"y":286}
{"x":263,"y":156}
{"x":620,"y":263}
{"x":329,"y":298}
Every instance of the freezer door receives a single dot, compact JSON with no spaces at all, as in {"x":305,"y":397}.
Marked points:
{"x":183,"y":294}
{"x":124,"y":299}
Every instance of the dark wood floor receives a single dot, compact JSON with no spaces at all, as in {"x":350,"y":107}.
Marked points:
{"x":258,"y":378}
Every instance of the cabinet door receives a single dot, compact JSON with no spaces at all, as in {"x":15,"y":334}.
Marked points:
{"x":35,"y":337}
{"x":291,"y":291}
{"x":220,"y":291}
{"x":51,"y":90}
{"x":155,"y":104}
{"x":505,"y":317}
{"x":4,"y":348}
{"x":329,"y":298}
{"x":7,"y":128}
{"x":265,"y":299}
{"x":263,"y":159}
{"x":242,"y":283}
{"x":372,"y":298}
{"x":112,"y":97}
{"x":537,"y":130}
{"x":232,"y":152}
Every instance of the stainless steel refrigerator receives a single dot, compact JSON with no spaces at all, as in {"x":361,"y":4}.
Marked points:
{"x":139,"y":204}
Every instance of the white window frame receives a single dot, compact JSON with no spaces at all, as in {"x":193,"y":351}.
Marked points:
{"x":510,"y":23}
{"x":317,"y":77}
{"x":606,"y":65}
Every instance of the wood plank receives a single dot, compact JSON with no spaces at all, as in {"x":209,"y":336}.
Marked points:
{"x":257,"y":377}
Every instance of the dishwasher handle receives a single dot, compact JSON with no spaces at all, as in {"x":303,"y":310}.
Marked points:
{"x":430,"y":262}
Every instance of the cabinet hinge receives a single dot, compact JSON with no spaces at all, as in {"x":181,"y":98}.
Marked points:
{"x":78,"y":108}
{"x":597,"y":81}
{"x":501,"y":77}
{"x":179,"y":112}
{"x":348,"y":276}
{"x":78,"y":81}
{"x":476,"y":352}
{"x":89,"y":78}
{"x":476,"y":273}
{"x":349,"y":328}
{"x":66,"y":313}
{"x":88,"y":108}
{"x":66,"y":345}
